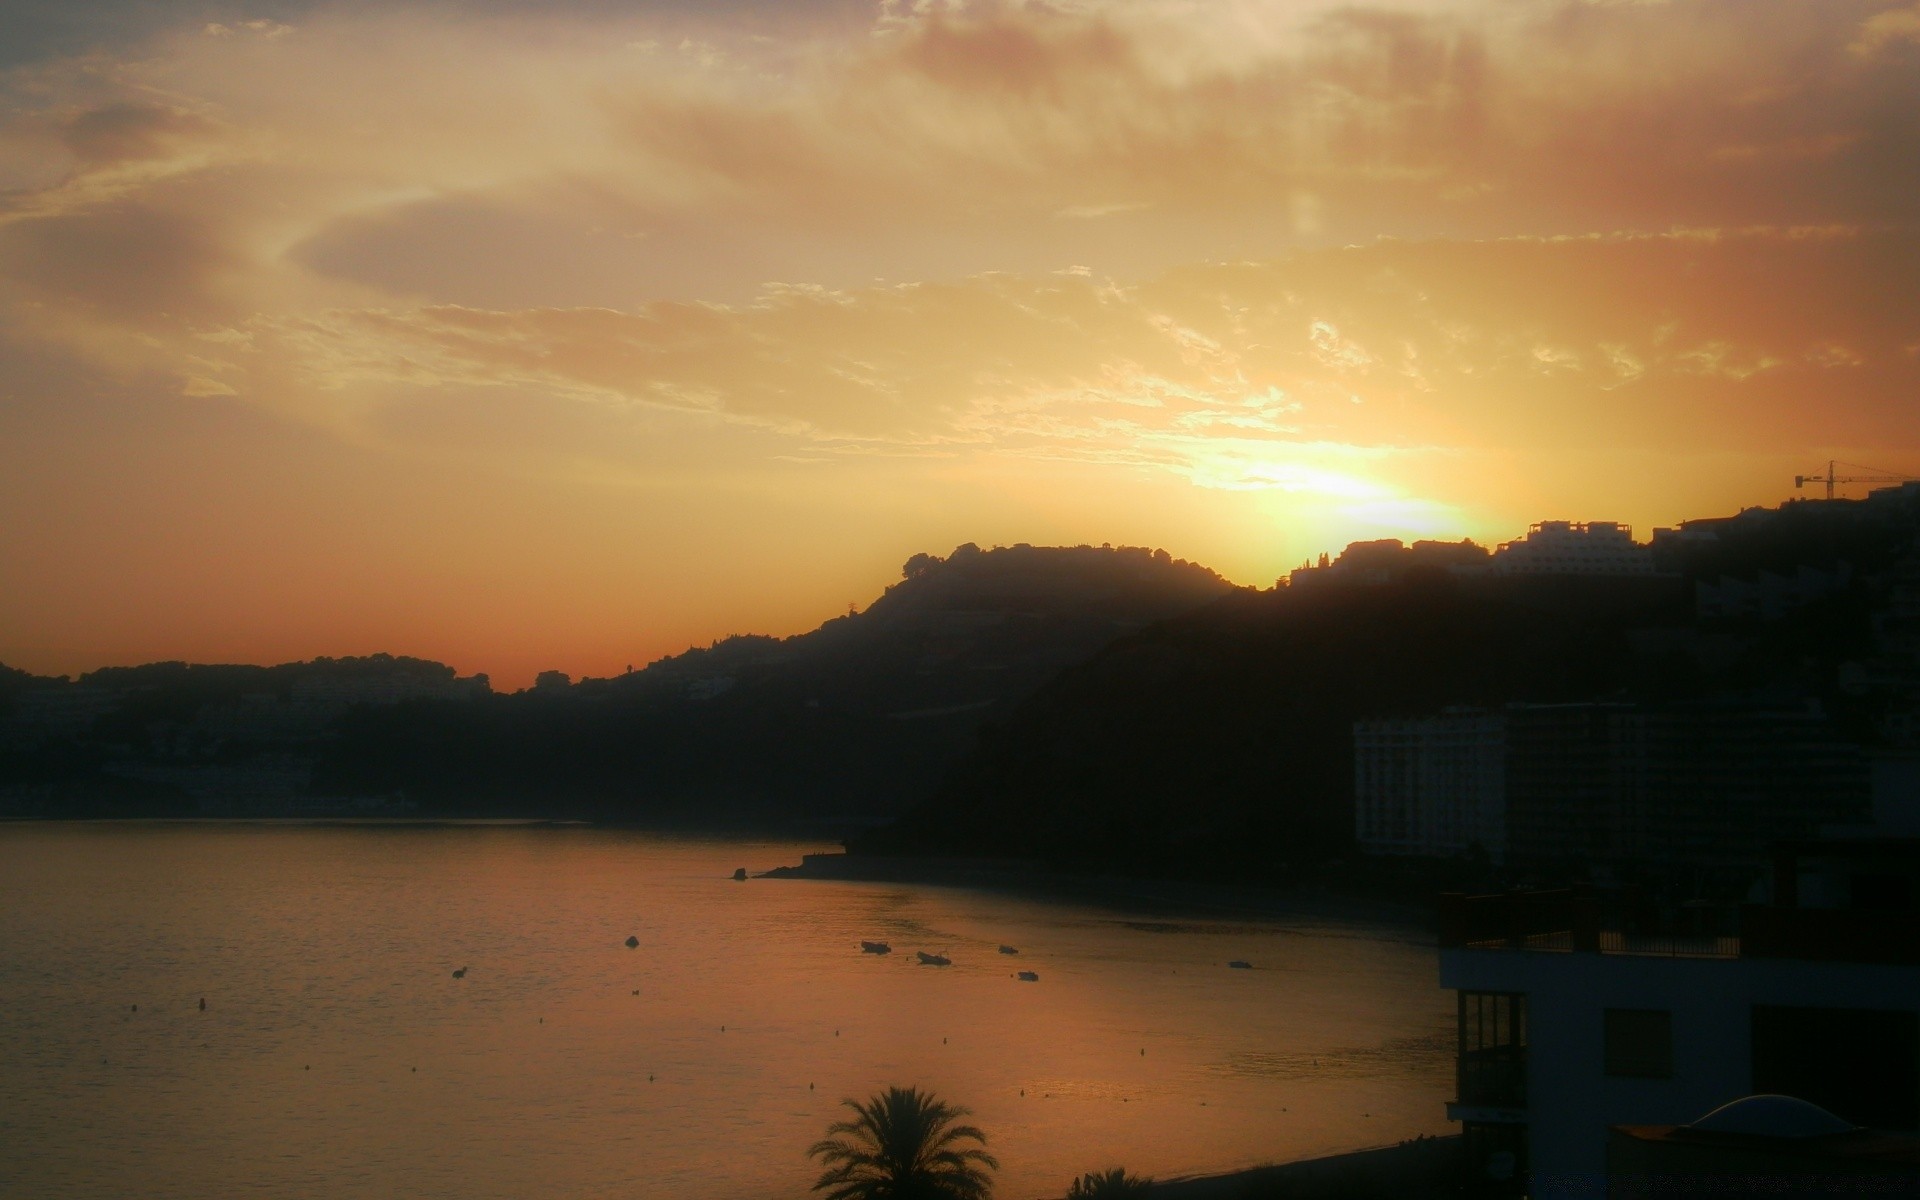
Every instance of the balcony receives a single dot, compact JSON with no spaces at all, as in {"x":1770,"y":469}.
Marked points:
{"x":1563,"y":922}
{"x":1569,"y":920}
{"x":1495,"y":1077}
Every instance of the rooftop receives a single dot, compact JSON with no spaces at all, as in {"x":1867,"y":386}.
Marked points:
{"x":1570,"y":921}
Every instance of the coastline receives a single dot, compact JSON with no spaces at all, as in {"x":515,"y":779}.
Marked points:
{"x":1117,"y":891}
{"x":1422,"y":1169}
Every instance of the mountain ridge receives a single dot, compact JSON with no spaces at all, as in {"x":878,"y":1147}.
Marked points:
{"x":849,"y":718}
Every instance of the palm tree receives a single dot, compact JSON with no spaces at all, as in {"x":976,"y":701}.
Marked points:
{"x":903,"y":1145}
{"x":1113,"y":1184}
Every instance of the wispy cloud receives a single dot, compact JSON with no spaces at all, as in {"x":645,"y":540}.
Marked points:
{"x":1287,"y":253}
{"x":1395,"y":346}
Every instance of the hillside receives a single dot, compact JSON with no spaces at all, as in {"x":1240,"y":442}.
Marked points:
{"x":857,"y":718}
{"x":1220,"y":743}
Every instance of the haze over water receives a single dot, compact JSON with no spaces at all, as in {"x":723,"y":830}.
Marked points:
{"x":338,"y":1056}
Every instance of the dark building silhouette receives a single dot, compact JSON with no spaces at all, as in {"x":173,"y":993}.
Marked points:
{"x":1696,"y":791}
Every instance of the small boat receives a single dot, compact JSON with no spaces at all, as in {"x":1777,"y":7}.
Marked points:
{"x":875,"y":948}
{"x":460,"y":974}
{"x":934,"y":960}
{"x":1241,"y":964}
{"x":739,"y":874}
{"x":1029,"y":977}
{"x":633,"y":943}
{"x":1008,"y":950}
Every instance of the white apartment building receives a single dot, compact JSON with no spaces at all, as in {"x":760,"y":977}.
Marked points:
{"x":1568,"y":1027}
{"x":1432,"y":786}
{"x":1573,"y":548}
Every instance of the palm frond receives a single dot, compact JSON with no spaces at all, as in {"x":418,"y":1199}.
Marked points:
{"x":904,"y":1144}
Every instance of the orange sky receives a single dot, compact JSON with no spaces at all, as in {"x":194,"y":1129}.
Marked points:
{"x":566,"y":336}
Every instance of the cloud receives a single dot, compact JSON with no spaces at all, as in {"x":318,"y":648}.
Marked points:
{"x":945,"y":140}
{"x":475,"y":294}
{"x":1885,"y":31}
{"x":116,"y":261}
{"x":1237,"y":376}
{"x":127,"y":130}
{"x":1614,"y":214}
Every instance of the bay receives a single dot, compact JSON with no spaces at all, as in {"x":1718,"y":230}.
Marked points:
{"x":339,"y":1056}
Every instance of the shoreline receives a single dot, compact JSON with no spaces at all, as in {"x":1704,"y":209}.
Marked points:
{"x":1021,"y":877}
{"x":1420,"y":1169}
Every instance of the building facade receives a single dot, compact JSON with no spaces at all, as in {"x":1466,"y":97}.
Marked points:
{"x":1431,"y":786}
{"x":1697,"y":791}
{"x":1570,"y":1023}
{"x":1573,"y":548}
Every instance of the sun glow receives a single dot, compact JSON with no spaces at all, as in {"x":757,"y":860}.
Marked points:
{"x":1241,"y":281}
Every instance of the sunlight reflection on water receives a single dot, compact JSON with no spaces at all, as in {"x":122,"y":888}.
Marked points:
{"x":339,"y":1057}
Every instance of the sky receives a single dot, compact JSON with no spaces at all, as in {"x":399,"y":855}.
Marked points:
{"x":569,"y":335}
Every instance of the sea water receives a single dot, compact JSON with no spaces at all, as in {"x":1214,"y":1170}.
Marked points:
{"x":338,"y":1055}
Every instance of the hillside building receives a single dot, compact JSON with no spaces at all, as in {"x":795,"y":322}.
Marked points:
{"x":1573,"y":548}
{"x":1693,"y":791}
{"x":1432,"y":786}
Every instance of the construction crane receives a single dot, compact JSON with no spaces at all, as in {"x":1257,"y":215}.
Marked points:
{"x":1833,"y":476}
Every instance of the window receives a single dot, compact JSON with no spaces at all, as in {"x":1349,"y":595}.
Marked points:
{"x":1639,"y":1043}
{"x":1493,"y":1049}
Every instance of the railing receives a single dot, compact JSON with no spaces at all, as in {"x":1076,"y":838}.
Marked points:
{"x":1831,"y":935}
{"x":1496,"y":1077}
{"x":1567,"y":921}
{"x":1670,"y":945}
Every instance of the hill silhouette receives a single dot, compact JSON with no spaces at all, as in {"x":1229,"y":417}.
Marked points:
{"x":857,"y":718}
{"x":1113,"y":708}
{"x":1219,"y":743}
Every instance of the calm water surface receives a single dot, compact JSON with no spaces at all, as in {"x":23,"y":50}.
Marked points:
{"x":338,"y":1057}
